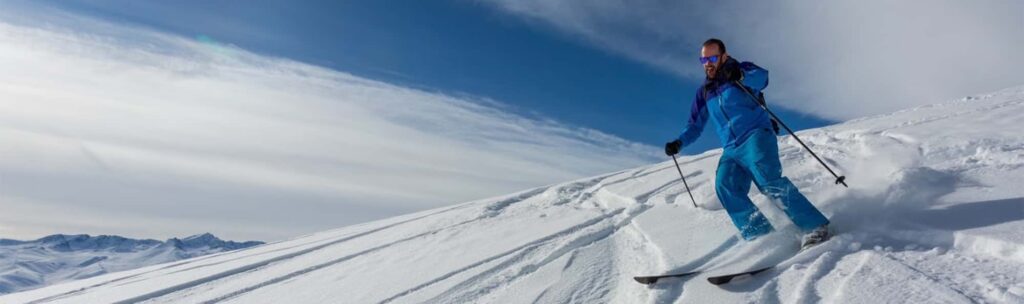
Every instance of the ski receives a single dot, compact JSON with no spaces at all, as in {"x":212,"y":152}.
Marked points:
{"x":726,"y":278}
{"x":648,"y":280}
{"x":722,"y":279}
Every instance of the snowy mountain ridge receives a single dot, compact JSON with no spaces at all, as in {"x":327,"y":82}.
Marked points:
{"x":57,"y":258}
{"x":933,"y":215}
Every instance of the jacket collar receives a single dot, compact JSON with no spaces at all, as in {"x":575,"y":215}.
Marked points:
{"x":719,"y":78}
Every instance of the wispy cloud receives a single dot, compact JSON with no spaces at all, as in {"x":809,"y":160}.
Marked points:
{"x":107,"y":128}
{"x":835,"y":59}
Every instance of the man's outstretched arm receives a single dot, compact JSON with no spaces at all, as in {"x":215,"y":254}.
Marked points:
{"x":698,"y":119}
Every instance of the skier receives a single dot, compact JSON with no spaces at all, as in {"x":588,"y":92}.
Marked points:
{"x":750,"y":151}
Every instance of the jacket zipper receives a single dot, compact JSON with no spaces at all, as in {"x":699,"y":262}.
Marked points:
{"x":728,"y":121}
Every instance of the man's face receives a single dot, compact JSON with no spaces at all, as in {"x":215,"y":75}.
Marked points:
{"x":710,"y":68}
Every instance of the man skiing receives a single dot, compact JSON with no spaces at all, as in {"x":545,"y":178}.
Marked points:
{"x":750,"y":151}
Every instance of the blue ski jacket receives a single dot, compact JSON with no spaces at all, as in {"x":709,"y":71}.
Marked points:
{"x":735,"y":114}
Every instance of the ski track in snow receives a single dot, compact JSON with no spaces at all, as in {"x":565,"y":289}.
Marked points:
{"x":515,"y":257}
{"x":928,"y":218}
{"x":805,"y":292}
{"x":327,"y":264}
{"x":234,"y":270}
{"x":571,"y":246}
{"x":491,"y":210}
{"x":470,"y":290}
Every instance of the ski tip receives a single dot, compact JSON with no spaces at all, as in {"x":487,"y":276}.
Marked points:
{"x":719,"y":280}
{"x":654,"y":278}
{"x":646,"y":280}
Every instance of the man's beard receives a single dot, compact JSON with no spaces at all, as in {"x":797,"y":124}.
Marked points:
{"x":710,"y":73}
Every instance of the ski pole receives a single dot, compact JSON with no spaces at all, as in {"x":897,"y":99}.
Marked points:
{"x":840,"y":179}
{"x":684,"y":181}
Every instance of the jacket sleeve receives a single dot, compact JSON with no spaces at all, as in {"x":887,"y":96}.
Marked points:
{"x":754,"y":77}
{"x":698,"y":118}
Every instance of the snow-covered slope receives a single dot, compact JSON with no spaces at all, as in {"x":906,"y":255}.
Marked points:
{"x":58,"y":258}
{"x":934,"y":213}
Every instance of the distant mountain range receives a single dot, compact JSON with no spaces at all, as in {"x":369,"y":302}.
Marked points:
{"x":58,"y":258}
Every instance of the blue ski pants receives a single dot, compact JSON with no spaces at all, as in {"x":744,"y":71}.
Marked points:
{"x":757,"y":159}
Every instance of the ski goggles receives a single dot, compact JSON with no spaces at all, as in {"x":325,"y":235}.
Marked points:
{"x":711,"y":59}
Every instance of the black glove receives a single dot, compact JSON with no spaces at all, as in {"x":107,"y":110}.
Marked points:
{"x":730,"y":70}
{"x":672,"y":147}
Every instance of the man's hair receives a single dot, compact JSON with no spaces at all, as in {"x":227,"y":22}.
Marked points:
{"x":715,"y":41}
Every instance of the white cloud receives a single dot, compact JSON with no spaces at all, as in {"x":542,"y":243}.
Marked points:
{"x":835,"y":59}
{"x":107,"y":128}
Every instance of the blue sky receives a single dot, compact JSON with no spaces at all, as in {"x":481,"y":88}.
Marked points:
{"x":451,"y":46}
{"x":271,"y":119}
